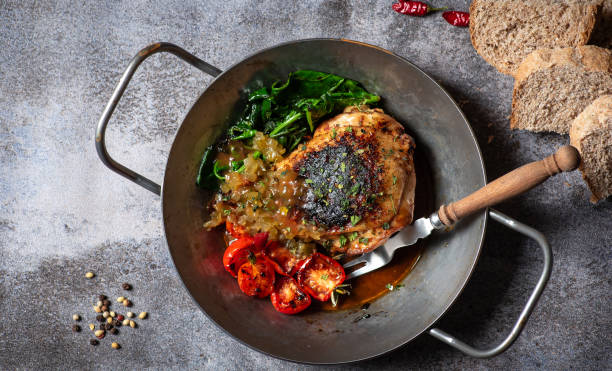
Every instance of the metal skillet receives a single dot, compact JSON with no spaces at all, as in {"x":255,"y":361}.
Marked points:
{"x":445,"y":141}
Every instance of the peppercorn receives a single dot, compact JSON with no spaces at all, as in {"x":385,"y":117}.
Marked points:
{"x":114,"y":331}
{"x":99,"y":334}
{"x":100,"y":318}
{"x":127,"y":303}
{"x":116,"y":323}
{"x":76,"y":328}
{"x":92,"y":326}
{"x":101,"y":297}
{"x":115,"y":345}
{"x":76,"y":317}
{"x":102,"y":326}
{"x":126,"y":286}
{"x":106,"y":302}
{"x":104,"y":308}
{"x":142,"y":315}
{"x":89,"y":275}
{"x":94,"y":342}
{"x":120,"y":317}
{"x":108,"y":326}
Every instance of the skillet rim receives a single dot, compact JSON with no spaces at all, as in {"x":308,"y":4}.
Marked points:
{"x":483,"y":226}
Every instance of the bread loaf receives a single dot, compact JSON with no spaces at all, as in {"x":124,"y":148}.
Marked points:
{"x":591,"y":134}
{"x":552,"y":86}
{"x":504,"y":32}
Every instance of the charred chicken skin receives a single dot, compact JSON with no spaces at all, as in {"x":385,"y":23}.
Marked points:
{"x":359,"y":181}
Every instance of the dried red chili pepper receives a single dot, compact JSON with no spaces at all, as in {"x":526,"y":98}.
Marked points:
{"x":415,"y":8}
{"x":459,"y":19}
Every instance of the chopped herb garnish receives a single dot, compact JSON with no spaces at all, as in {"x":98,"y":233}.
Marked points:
{"x":343,"y":167}
{"x":251,"y":257}
{"x":349,"y":129}
{"x":354,"y":189}
{"x":342,"y":240}
{"x":257,"y":155}
{"x":390,"y":287}
{"x":386,"y":226}
{"x":324,"y":277}
{"x":308,"y":181}
{"x":303,"y":147}
{"x":352,"y":236}
{"x":363,"y":240}
{"x":394,"y":180}
{"x":284,"y":172}
{"x":333,"y":135}
{"x":226,"y":198}
{"x":360,"y":151}
{"x":355,"y":219}
{"x":227,"y":212}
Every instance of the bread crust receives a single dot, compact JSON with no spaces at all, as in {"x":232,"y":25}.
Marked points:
{"x":591,"y":120}
{"x":588,"y":57}
{"x":589,"y":21}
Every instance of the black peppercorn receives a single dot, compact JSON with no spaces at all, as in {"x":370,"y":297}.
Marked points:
{"x":94,"y":342}
{"x":126,"y":286}
{"x":103,"y":326}
{"x":106,"y":302}
{"x":100,"y":318}
{"x":108,"y":326}
{"x":114,"y":331}
{"x":76,"y":328}
{"x":104,"y":308}
{"x":101,"y":298}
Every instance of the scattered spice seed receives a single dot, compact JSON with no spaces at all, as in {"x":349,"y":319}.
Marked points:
{"x":76,"y":328}
{"x":101,"y":297}
{"x":126,"y":286}
{"x":94,"y":342}
{"x":97,"y":309}
{"x":104,"y":308}
{"x":99,"y":303}
{"x":109,"y":320}
{"x":116,"y":323}
{"x":112,"y":314}
{"x":126,"y":322}
{"x":130,"y":314}
{"x":106,"y":302}
{"x":132,"y":324}
{"x":115,"y":345}
{"x":102,"y":326}
{"x":100,"y":318}
{"x":142,"y":315}
{"x":114,"y":331}
{"x":89,"y":275}
{"x":92,"y":326}
{"x":99,"y":334}
{"x":120,"y":317}
{"x":76,"y":317}
{"x":108,"y":326}
{"x":105,"y":314}
{"x":120,"y":299}
{"x":127,"y":303}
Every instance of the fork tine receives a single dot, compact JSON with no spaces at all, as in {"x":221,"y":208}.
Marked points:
{"x":362,"y":259}
{"x":363,"y":270}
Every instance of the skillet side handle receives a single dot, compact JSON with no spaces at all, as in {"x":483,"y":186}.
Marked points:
{"x":120,"y":89}
{"x":524,"y":316}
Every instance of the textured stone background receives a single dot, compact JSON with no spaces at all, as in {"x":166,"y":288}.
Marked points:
{"x":63,"y":213}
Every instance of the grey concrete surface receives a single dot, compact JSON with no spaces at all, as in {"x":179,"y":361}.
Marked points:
{"x":63,"y":213}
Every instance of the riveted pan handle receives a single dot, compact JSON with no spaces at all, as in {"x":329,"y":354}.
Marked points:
{"x":524,"y":316}
{"x":120,"y":88}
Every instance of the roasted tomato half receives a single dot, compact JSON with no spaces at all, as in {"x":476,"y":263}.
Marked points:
{"x":319,"y":275}
{"x":256,"y":277}
{"x":237,"y":253}
{"x":288,"y":297}
{"x":285,"y":261}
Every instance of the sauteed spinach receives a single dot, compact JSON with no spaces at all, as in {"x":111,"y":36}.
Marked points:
{"x":287,"y":111}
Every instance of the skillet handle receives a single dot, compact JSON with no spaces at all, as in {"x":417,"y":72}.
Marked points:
{"x":533,"y":298}
{"x":119,"y":90}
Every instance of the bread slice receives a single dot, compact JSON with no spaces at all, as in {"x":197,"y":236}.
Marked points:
{"x":602,"y":34}
{"x":504,"y":32}
{"x":552,"y":86}
{"x":591,"y":134}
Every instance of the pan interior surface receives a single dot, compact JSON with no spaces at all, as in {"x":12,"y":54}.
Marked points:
{"x":443,"y":137}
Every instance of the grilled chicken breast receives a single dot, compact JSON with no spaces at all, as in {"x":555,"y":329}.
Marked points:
{"x":359,"y":180}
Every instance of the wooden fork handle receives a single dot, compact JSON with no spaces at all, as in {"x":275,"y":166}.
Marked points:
{"x":512,"y":184}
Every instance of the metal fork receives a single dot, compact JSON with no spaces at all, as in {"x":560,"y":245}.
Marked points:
{"x":512,"y":184}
